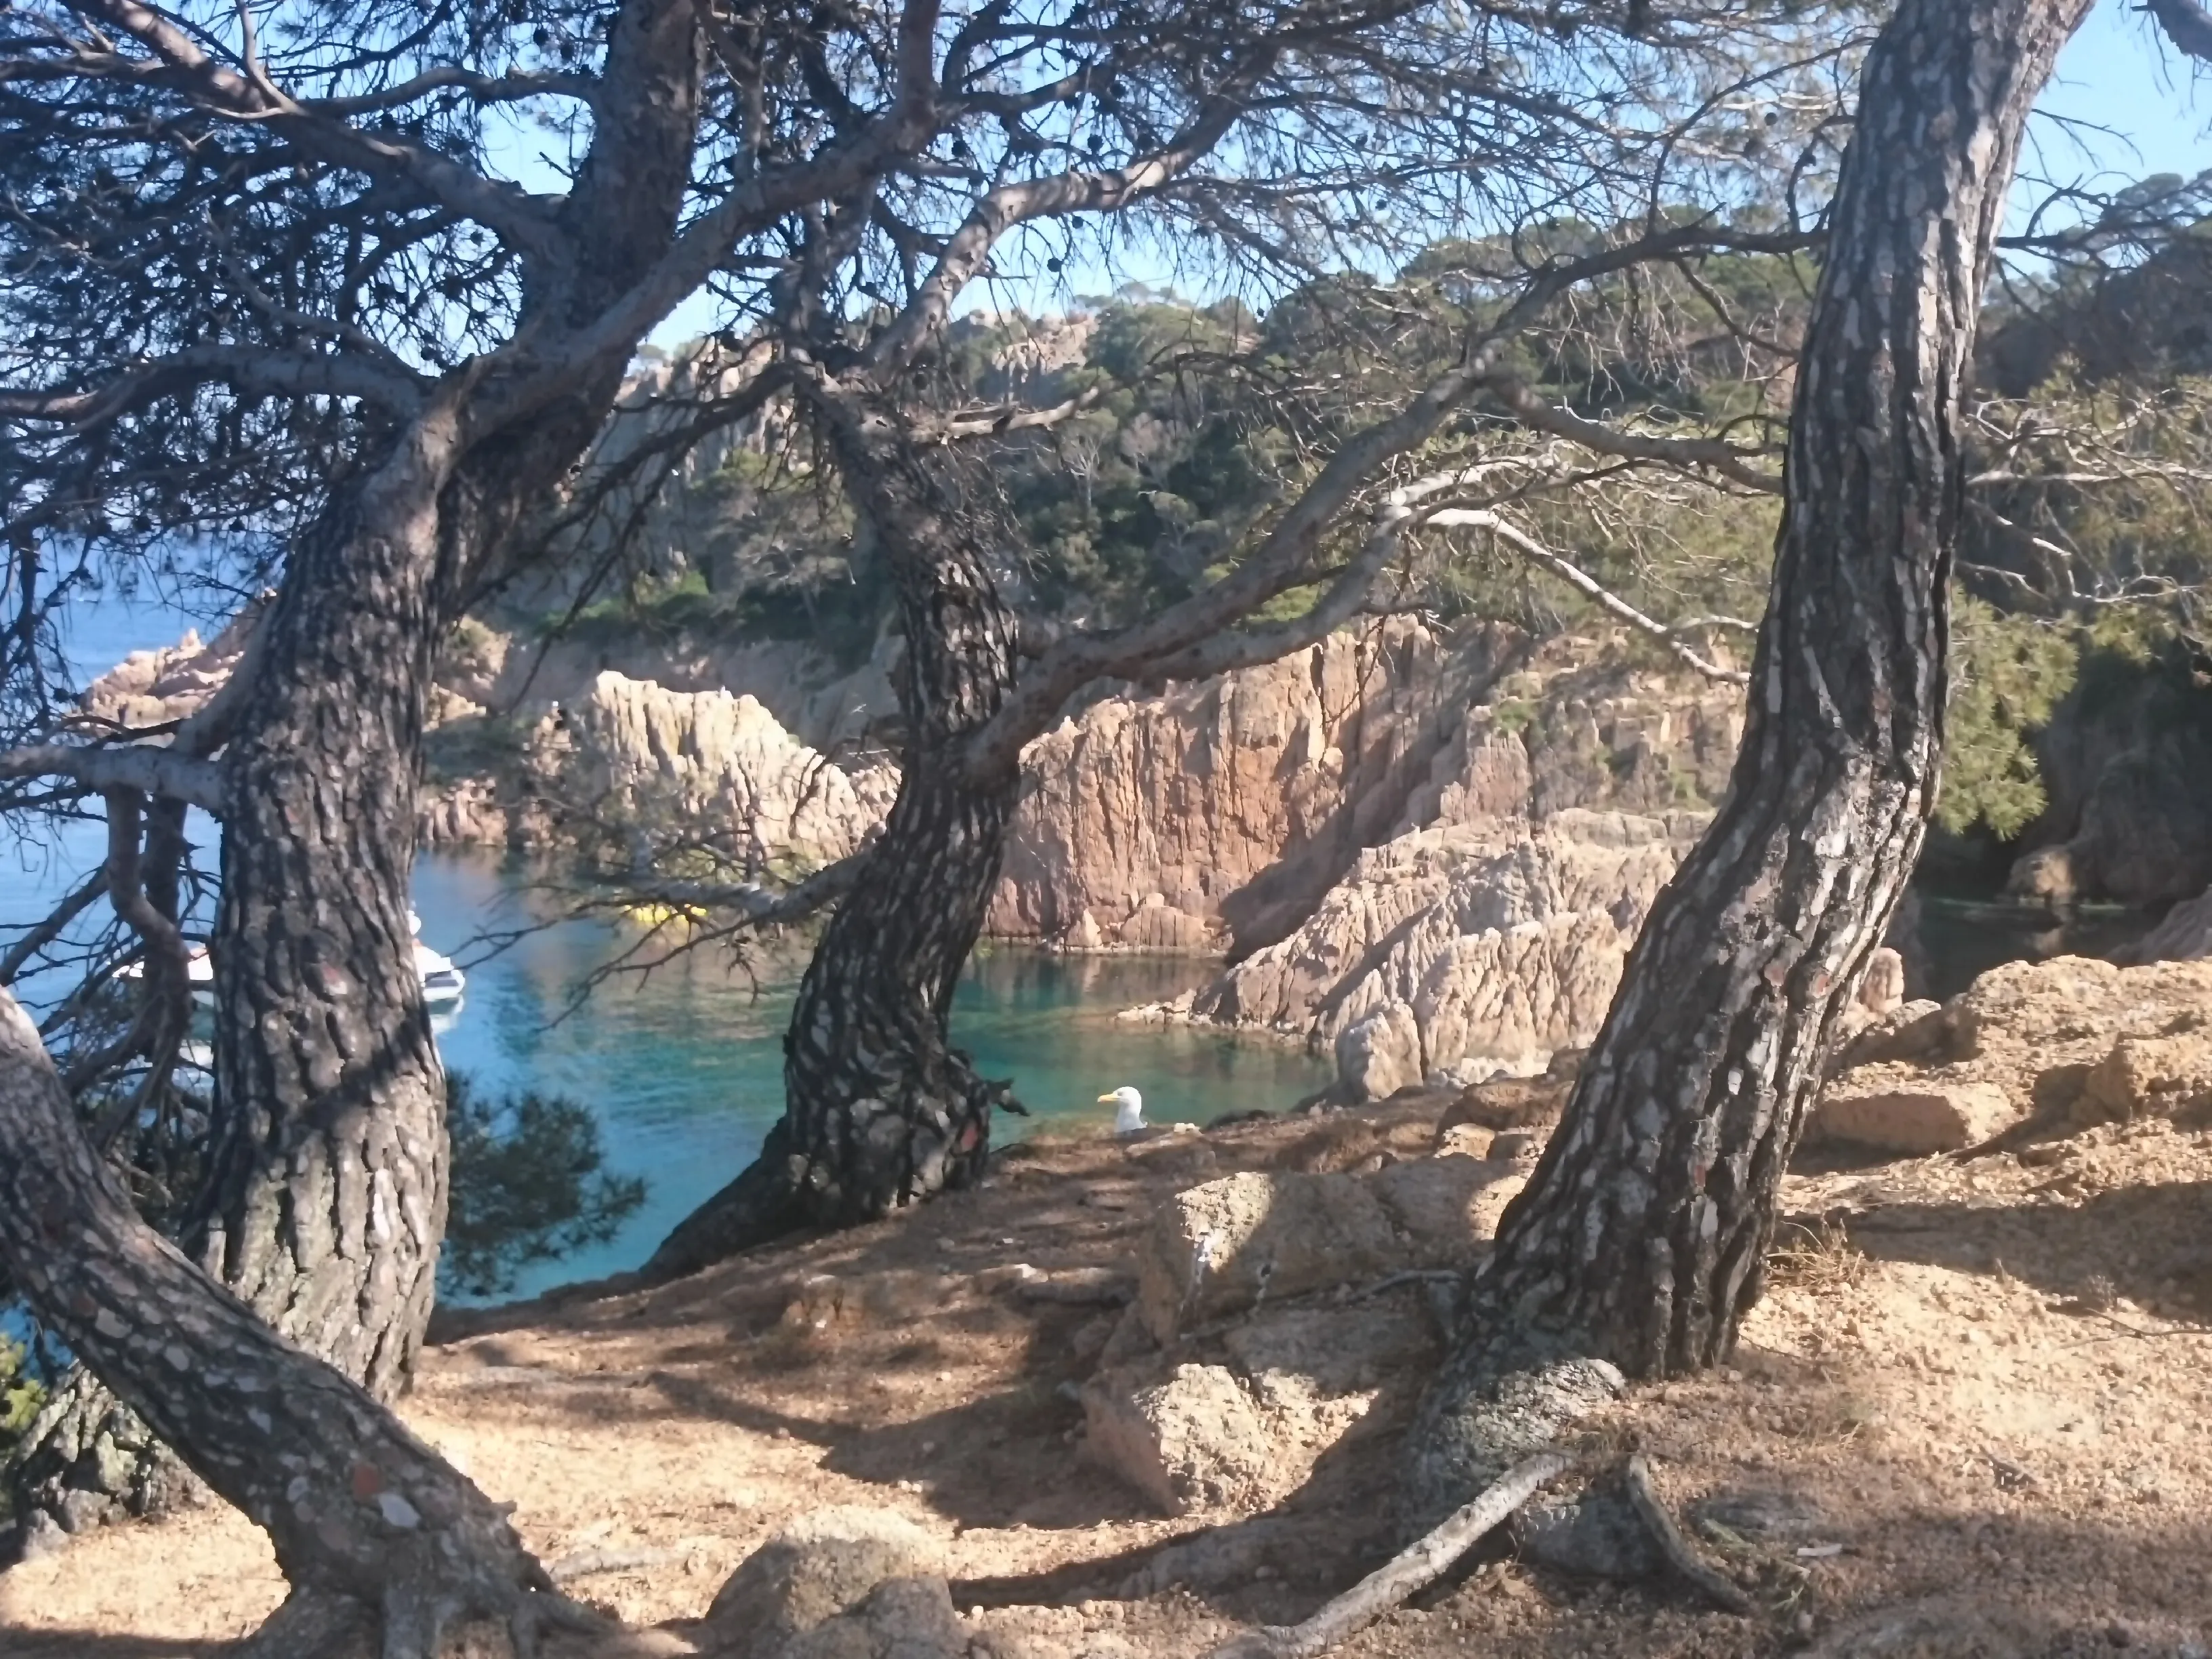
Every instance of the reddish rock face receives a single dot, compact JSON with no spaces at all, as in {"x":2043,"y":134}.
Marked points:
{"x":1218,"y":815}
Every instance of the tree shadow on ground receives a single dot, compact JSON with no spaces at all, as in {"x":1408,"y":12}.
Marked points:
{"x":2150,"y":1243}
{"x":722,"y":1346}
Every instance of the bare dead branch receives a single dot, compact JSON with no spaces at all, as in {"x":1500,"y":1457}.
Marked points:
{"x":1005,"y":419}
{"x":1283,"y":560}
{"x":507,"y":208}
{"x":1058,"y":197}
{"x":1713,"y":1585}
{"x":164,"y":944}
{"x":1691,"y":454}
{"x":43,"y":934}
{"x":250,"y":371}
{"x":1342,"y":1619}
{"x":839,"y":170}
{"x":128,"y":766}
{"x":482,"y":88}
{"x":761,"y":906}
{"x":165,"y":1009}
{"x":1583,"y":582}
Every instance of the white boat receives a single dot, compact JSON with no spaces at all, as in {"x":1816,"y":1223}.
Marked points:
{"x":443,"y":982}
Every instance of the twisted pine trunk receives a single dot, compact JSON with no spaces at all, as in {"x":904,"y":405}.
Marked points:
{"x":324,"y":1202}
{"x":880,"y":1110}
{"x":1640,"y":1241}
{"x":327,"y":1196}
{"x":370,"y":1525}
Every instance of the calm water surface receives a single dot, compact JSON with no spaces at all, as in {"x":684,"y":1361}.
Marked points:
{"x":684,"y":1069}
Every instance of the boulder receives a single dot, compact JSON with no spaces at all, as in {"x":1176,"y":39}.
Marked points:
{"x":1380,"y":1054}
{"x":2044,"y":877}
{"x":1245,"y":1434}
{"x":1344,"y":1140}
{"x":1912,"y":1031}
{"x":1893,"y":1109}
{"x":2071,"y":1038}
{"x":1883,"y":990}
{"x":1331,"y":1353}
{"x":899,"y":1618}
{"x":2185,"y":935}
{"x":2148,"y":1077}
{"x":1234,"y":1243}
{"x":1447,"y":1208}
{"x":821,"y":1566}
{"x":1507,"y":1104}
{"x":1465,"y":1140}
{"x":1195,"y":1441}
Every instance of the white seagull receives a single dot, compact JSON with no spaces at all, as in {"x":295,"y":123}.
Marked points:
{"x":1131,"y":1117}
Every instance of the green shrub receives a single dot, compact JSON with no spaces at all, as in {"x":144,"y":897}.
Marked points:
{"x":2007,"y":673}
{"x":529,"y":1185}
{"x":20,"y":1396}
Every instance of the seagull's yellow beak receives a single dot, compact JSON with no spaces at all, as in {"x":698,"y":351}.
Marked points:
{"x":1102,"y":1099}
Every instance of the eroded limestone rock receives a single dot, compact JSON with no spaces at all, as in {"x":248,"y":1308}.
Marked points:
{"x":821,"y":1566}
{"x":1898,"y":1109}
{"x":2071,"y":1040}
{"x":1193,"y":1441}
{"x":1463,"y":950}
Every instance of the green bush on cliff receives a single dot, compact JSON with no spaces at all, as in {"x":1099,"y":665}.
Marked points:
{"x":2007,"y":673}
{"x":20,"y":1396}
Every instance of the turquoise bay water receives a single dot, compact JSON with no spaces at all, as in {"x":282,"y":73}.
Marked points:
{"x":684,"y":1069}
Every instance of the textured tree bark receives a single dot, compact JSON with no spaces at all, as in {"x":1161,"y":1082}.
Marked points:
{"x":327,"y":1174}
{"x":324,"y":1195}
{"x":370,"y":1525}
{"x":325,"y":1200}
{"x":1640,"y":1241}
{"x":879,"y":1110}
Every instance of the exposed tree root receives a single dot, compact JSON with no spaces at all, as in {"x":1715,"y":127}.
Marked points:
{"x":418,"y":1620}
{"x":1713,"y":1584}
{"x":760,"y":1207}
{"x":1408,"y":1572}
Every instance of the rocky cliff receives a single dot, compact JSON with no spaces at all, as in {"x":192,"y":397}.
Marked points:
{"x":1214,"y":817}
{"x":822,"y":699}
{"x":2126,"y":763}
{"x":1455,"y":951}
{"x":628,"y":763}
{"x":1430,"y":850}
{"x":150,"y":688}
{"x":1220,"y":816}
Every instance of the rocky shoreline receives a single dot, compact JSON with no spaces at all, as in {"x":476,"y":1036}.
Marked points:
{"x":1424,"y":851}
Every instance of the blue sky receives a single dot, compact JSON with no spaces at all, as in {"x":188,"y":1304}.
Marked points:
{"x":2119,"y":74}
{"x":2122,"y":106}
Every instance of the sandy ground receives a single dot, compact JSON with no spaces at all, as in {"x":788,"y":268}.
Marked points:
{"x":1966,"y":1420}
